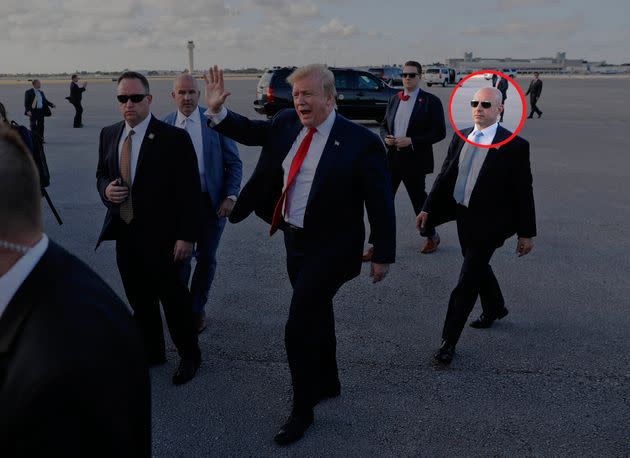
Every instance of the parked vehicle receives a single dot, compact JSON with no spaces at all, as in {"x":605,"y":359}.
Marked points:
{"x":360,"y":95}
{"x":391,"y":75}
{"x":441,"y":75}
{"x":511,"y":72}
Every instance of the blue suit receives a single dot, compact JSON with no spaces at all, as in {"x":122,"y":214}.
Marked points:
{"x":222,"y":178}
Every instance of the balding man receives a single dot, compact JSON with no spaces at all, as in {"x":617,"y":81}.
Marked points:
{"x":220,"y":172}
{"x":73,"y":380}
{"x":488,"y":191}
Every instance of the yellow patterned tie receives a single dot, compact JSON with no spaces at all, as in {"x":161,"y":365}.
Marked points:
{"x":126,"y":208}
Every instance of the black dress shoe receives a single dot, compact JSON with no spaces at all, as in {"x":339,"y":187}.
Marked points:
{"x":445,"y":353}
{"x":185,"y":371}
{"x":294,"y":428}
{"x":530,"y":116}
{"x":485,"y":321}
{"x":330,"y":391}
{"x":540,"y":114}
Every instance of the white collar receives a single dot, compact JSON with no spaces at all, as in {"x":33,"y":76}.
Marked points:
{"x":11,"y":281}
{"x":413,"y":94}
{"x":140,"y":129}
{"x":488,"y":132}
{"x":194,"y":117}
{"x":325,"y":127}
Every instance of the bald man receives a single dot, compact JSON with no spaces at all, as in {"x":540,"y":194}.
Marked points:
{"x":220,"y":172}
{"x":73,"y":377}
{"x":488,"y":191}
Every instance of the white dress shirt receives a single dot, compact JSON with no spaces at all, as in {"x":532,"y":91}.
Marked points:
{"x":192,"y":125}
{"x":136,"y":143}
{"x":297,"y":195}
{"x":11,"y":281}
{"x":403,"y":114}
{"x":479,"y":157}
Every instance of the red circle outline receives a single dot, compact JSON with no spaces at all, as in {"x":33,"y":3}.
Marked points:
{"x":523,"y":112}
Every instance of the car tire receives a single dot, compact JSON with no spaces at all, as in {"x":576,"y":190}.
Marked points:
{"x":429,"y":84}
{"x":443,"y":83}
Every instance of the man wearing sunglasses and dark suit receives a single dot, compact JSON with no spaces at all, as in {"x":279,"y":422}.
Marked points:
{"x":488,"y":191}
{"x":147,"y":178}
{"x":414,"y":121}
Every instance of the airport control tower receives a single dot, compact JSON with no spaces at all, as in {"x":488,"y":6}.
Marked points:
{"x":191,"y":46}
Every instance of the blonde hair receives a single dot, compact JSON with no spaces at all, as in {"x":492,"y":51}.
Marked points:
{"x":321,"y":70}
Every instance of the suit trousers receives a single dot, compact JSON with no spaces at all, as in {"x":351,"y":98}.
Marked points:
{"x":150,"y":276}
{"x":309,"y":338}
{"x":476,"y":279}
{"x":534,"y":108}
{"x":205,"y":254}
{"x":37,"y":122}
{"x":78,"y":113}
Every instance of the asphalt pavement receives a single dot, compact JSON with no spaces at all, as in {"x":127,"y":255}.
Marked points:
{"x":551,"y":379}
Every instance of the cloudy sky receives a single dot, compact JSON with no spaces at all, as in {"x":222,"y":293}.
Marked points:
{"x":68,"y":35}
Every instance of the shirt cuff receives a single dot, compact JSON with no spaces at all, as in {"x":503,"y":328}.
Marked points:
{"x":232,"y":198}
{"x":216,"y":118}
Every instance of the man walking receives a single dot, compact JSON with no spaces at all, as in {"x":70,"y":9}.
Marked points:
{"x":220,"y":173}
{"x":147,"y":177}
{"x":534,"y":90}
{"x":37,"y":107}
{"x":75,"y":97}
{"x":488,"y":191}
{"x":316,"y":173}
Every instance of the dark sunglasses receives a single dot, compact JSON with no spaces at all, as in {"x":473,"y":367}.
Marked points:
{"x":135,"y":98}
{"x":408,"y":75}
{"x":484,"y":104}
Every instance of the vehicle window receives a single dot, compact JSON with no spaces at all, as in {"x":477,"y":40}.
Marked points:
{"x":280,"y":78}
{"x":265,"y":79}
{"x":433,"y":70}
{"x":343,"y":80}
{"x":365,"y":82}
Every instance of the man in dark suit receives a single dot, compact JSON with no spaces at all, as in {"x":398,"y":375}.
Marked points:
{"x":534,"y":90}
{"x":220,"y":172}
{"x":73,"y":376}
{"x":488,"y":191}
{"x":37,"y":107}
{"x":503,"y":86}
{"x":414,"y":121}
{"x":316,"y":173}
{"x":75,"y":97}
{"x":147,"y":178}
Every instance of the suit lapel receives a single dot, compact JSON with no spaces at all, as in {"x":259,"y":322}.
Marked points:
{"x":331,"y":151}
{"x":113,"y":149}
{"x":149,"y":135}
{"x":500,"y":135}
{"x":392,"y":114}
{"x":455,"y":162}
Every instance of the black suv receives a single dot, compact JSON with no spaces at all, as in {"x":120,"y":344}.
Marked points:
{"x":360,"y":95}
{"x":391,"y":75}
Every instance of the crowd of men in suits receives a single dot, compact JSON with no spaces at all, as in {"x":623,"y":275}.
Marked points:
{"x":168,"y":187}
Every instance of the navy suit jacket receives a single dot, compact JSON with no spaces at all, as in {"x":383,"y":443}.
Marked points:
{"x":426,"y":127}
{"x":165,"y":192}
{"x":352,"y":175}
{"x":73,"y":374}
{"x":29,"y":95}
{"x":502,"y":201}
{"x":223,"y":167}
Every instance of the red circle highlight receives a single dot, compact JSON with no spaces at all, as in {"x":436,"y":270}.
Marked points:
{"x":523,"y":111}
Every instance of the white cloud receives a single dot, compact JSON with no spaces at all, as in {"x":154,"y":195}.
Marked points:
{"x":337,"y":29}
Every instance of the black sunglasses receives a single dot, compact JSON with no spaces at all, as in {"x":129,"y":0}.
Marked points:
{"x":484,"y":104}
{"x":408,"y":75}
{"x":135,"y":98}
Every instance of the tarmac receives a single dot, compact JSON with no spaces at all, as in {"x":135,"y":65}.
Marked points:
{"x":551,"y":379}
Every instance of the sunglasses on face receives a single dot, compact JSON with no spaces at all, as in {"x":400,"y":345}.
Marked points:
{"x":408,"y":75}
{"x":135,"y":98}
{"x":484,"y":104}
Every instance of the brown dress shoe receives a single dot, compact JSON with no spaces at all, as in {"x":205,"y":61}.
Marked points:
{"x":367,"y":256}
{"x":431,"y":244}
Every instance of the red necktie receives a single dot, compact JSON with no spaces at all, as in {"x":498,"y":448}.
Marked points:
{"x":402,"y":96}
{"x":293,"y":170}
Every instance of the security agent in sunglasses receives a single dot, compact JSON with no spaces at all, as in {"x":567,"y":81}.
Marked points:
{"x":488,"y":192}
{"x":148,"y":179}
{"x":414,"y":121}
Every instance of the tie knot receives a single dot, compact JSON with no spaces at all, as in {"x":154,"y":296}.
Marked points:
{"x":311,"y":131}
{"x":132,"y":132}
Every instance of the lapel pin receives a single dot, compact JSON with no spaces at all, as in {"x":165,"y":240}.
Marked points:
{"x":336,"y":143}
{"x":151,"y":136}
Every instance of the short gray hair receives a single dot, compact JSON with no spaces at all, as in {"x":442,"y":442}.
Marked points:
{"x":327,"y":77}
